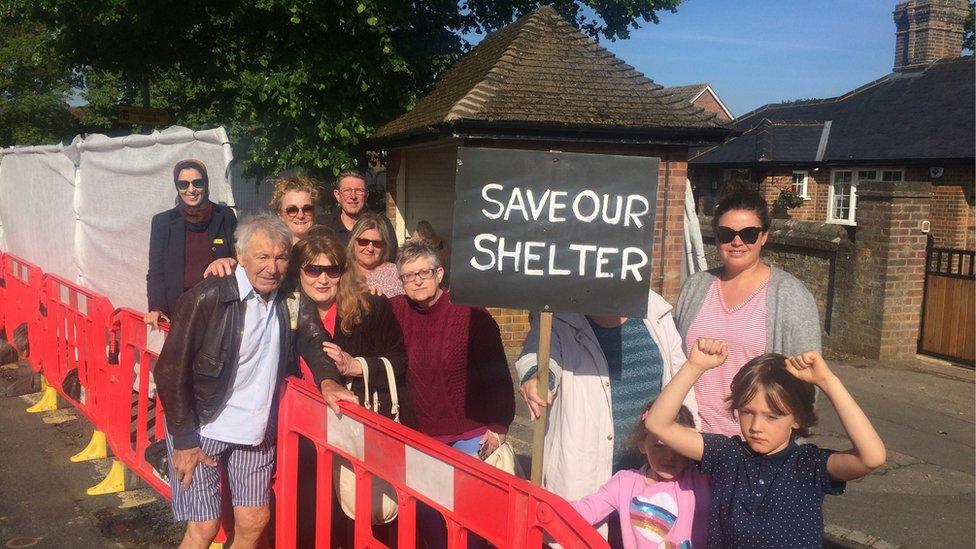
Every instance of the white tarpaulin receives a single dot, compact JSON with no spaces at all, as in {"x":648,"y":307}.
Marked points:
{"x":37,"y":194}
{"x":117,"y":185}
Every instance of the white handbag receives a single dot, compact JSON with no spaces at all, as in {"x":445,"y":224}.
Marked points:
{"x":384,"y":495}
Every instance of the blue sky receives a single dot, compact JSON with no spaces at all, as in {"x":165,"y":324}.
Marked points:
{"x":756,"y":52}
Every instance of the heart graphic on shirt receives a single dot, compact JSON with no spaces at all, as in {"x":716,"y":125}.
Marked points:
{"x":653,"y":517}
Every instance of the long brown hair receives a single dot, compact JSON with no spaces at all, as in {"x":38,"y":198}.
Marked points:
{"x":785,"y":394}
{"x":351,"y":301}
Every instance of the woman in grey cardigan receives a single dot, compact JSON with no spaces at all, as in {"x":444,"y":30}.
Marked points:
{"x":754,"y":307}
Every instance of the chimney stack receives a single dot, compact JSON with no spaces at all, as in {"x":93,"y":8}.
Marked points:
{"x":928,"y":30}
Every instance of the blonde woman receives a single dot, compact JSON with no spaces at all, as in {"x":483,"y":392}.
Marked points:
{"x":369,"y":244}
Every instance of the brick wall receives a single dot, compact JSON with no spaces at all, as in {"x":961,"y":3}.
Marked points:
{"x":928,"y":30}
{"x":708,"y":102}
{"x":952,"y":214}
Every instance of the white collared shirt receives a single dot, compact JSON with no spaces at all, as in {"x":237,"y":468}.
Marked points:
{"x":243,"y":418}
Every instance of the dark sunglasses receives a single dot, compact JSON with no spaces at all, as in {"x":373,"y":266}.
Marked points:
{"x":315,"y":271}
{"x":293,"y":210}
{"x":184,"y":185}
{"x":748,"y":235}
{"x":366,"y":242}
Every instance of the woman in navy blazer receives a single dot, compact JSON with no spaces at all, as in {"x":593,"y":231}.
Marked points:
{"x":183,"y":241}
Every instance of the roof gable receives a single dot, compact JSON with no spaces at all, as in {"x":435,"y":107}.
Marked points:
{"x":542,"y":71}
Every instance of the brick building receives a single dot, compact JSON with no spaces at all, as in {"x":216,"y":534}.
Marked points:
{"x":703,"y":97}
{"x":887,"y":173}
{"x":915,"y":124}
{"x":541,"y":84}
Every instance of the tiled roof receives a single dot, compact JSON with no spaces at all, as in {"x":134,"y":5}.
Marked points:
{"x":769,"y":142}
{"x":540,"y":71}
{"x":688,"y":92}
{"x":917,"y":114}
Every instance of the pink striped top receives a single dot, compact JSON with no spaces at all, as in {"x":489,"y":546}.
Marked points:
{"x":744,"y":331}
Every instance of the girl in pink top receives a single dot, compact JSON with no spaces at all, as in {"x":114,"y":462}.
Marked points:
{"x":662,"y":505}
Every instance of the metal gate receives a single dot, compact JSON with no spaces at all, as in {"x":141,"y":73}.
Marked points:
{"x":948,"y":328}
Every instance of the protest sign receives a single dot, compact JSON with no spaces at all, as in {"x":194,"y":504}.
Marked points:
{"x":553,"y":231}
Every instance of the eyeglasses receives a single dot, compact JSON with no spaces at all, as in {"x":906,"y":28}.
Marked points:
{"x":183,"y":185}
{"x":315,"y":271}
{"x":347,"y":191}
{"x":422,"y":274}
{"x":307,"y":209}
{"x":366,"y":242}
{"x":748,"y":235}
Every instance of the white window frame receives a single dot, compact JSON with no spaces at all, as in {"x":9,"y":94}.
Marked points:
{"x":804,"y":185}
{"x":855,"y":180}
{"x":851,"y":210}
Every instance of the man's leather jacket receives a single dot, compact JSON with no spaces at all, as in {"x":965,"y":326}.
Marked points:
{"x":200,"y":354}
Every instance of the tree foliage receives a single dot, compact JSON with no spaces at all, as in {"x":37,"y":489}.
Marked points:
{"x":298,"y":83}
{"x":34,"y":87}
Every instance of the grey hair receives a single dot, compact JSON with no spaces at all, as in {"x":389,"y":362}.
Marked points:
{"x":418,"y":248}
{"x":352,"y":172}
{"x":271,"y":225}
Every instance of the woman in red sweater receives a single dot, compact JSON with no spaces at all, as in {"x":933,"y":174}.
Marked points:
{"x":457,"y":374}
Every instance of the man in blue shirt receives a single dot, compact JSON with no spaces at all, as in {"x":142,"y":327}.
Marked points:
{"x":229,"y":345}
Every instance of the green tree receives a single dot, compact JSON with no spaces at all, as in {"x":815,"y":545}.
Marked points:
{"x":34,"y":87}
{"x":298,"y":83}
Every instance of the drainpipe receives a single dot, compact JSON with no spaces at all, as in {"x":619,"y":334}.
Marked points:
{"x":667,"y":201}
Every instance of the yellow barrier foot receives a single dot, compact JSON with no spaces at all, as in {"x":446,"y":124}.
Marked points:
{"x":216,"y":545}
{"x":96,"y":449}
{"x":113,"y":482}
{"x":48,"y":402}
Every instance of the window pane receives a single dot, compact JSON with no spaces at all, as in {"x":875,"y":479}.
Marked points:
{"x":891,"y":175}
{"x":800,"y":183}
{"x":841,"y":206}
{"x":867,"y":175}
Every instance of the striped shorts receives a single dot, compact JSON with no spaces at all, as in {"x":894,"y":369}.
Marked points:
{"x":249,"y":470}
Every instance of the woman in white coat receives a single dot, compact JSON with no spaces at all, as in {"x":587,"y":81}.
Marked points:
{"x":603,"y":372}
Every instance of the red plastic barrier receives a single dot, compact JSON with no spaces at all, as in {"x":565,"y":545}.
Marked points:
{"x":23,"y":302}
{"x":77,"y":338}
{"x":133,"y":417}
{"x":472,"y":496}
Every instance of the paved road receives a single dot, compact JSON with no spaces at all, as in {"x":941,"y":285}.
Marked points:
{"x":42,"y":494}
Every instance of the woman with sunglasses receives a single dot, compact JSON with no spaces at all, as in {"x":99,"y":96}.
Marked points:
{"x":369,"y":244}
{"x":294,"y":200}
{"x":364,"y":330}
{"x":754,"y":307}
{"x":183,"y":241}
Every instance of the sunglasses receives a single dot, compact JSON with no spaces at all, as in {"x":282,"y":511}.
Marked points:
{"x":315,"y":271}
{"x":184,"y":185}
{"x":307,"y":209}
{"x":748,"y":235}
{"x":366,"y":242}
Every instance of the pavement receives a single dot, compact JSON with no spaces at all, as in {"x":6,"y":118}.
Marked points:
{"x":923,"y":497}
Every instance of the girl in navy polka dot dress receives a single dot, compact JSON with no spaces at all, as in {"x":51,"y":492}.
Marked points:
{"x":767,"y":490}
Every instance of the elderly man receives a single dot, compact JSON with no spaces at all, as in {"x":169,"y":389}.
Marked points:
{"x":229,"y":346}
{"x":350,"y":194}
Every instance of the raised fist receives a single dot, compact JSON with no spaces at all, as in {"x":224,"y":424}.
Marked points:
{"x":708,"y":353}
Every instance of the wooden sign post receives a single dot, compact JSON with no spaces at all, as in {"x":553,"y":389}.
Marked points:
{"x":553,"y":232}
{"x":542,"y":389}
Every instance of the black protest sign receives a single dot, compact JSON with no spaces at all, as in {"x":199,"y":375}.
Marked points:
{"x":564,"y":232}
